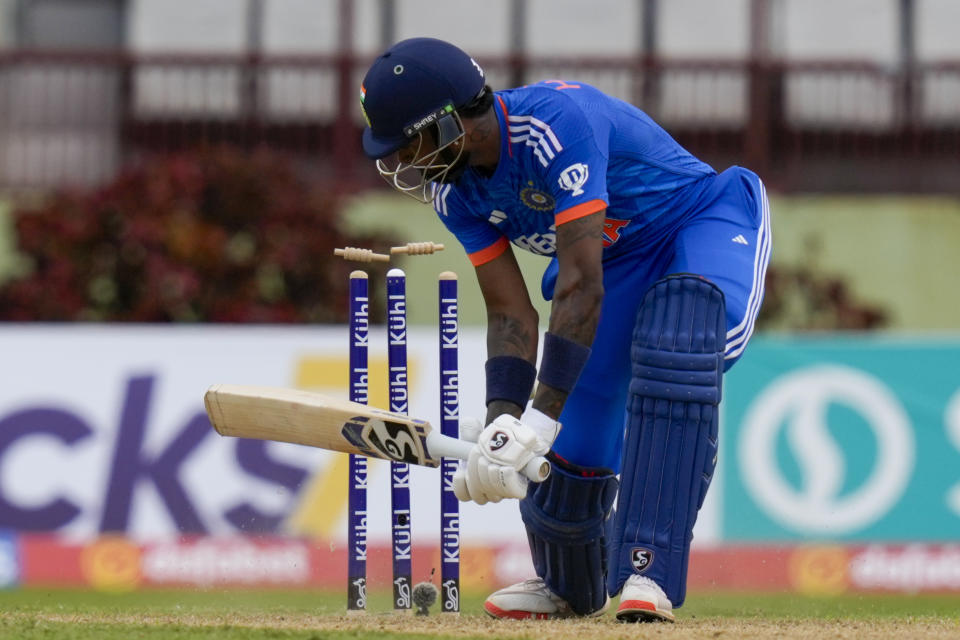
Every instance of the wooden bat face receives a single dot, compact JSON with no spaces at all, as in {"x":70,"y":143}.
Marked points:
{"x":315,"y":420}
{"x":303,"y":417}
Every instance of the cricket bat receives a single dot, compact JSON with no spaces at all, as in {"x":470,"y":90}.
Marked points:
{"x":316,"y":420}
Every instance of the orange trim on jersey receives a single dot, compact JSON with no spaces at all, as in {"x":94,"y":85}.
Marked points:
{"x":579,"y":211}
{"x":506,"y":119}
{"x":486,"y":255}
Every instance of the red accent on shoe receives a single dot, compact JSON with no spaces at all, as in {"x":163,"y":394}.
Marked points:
{"x":497,"y":612}
{"x":636,"y":604}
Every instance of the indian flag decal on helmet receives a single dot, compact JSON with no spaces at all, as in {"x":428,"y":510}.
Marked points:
{"x":363,"y":96}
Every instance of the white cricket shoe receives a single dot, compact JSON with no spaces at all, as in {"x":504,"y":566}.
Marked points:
{"x":532,"y":600}
{"x":642,"y":600}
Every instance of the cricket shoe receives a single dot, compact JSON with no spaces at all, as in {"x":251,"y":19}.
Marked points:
{"x":532,"y":600}
{"x":642,"y":600}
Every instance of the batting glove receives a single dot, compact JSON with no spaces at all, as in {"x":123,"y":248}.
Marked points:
{"x":493,"y":470}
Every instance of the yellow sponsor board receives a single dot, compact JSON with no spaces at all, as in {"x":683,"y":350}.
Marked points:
{"x":323,"y":501}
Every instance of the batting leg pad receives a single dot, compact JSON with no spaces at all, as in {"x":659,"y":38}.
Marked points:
{"x":566,"y":517}
{"x":670,"y":442}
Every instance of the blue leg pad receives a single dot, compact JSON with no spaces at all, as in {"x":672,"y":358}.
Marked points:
{"x":670,"y":442}
{"x":565,"y":516}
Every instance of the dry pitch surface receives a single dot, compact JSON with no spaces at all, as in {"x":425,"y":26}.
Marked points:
{"x":385,"y":625}
{"x":303,"y":615}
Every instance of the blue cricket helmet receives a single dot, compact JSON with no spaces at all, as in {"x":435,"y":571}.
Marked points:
{"x":412,"y":85}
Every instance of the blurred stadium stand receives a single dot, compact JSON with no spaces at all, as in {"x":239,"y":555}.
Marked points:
{"x":78,"y":100}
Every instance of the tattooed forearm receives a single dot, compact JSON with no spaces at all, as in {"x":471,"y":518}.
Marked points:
{"x":576,"y":309}
{"x":508,"y":335}
{"x":579,"y":289}
{"x":549,"y":400}
{"x":577,"y":296}
{"x":511,"y":336}
{"x":574,"y":317}
{"x":577,"y":230}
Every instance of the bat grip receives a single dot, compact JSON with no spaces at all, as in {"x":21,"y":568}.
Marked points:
{"x":537,"y":470}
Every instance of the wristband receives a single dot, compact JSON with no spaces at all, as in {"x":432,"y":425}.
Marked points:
{"x":509,"y":378}
{"x":562,"y":362}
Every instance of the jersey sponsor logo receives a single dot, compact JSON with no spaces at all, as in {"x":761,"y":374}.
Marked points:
{"x":611,"y":230}
{"x":544,"y":244}
{"x":574,"y":177}
{"x":641,"y":559}
{"x":537,"y":200}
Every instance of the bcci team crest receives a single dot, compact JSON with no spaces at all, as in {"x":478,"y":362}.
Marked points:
{"x":641,"y":559}
{"x":537,"y":200}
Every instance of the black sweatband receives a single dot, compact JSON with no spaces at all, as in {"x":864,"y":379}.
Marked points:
{"x":509,"y":378}
{"x":562,"y":362}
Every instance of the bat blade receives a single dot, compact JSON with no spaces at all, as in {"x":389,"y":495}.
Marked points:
{"x":304,"y":417}
{"x":316,"y":420}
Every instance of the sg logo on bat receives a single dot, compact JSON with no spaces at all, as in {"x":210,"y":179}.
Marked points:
{"x":386,"y":439}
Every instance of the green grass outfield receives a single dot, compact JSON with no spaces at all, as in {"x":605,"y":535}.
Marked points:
{"x":161,"y":614}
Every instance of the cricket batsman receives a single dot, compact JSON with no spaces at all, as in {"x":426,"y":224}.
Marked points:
{"x":656,"y":278}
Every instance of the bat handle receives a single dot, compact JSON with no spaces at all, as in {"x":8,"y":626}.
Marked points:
{"x":536,"y":470}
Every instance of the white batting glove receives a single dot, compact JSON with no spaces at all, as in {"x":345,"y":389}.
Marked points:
{"x":493,"y":470}
{"x":546,"y":427}
{"x":470,"y":429}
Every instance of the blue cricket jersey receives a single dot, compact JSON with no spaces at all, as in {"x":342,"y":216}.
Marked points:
{"x":568,"y":150}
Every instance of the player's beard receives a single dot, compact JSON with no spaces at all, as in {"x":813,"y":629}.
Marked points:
{"x":457,"y":167}
{"x":452,"y":159}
